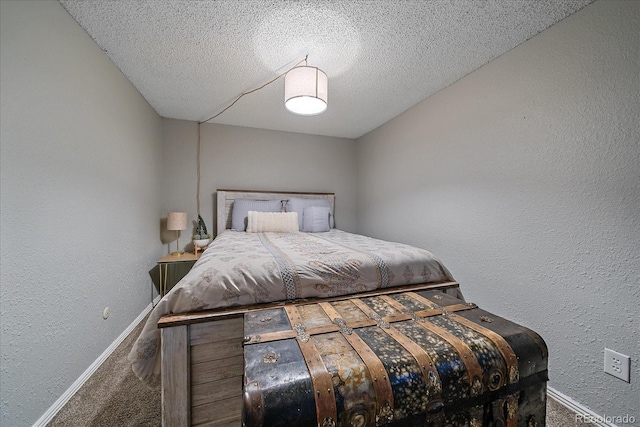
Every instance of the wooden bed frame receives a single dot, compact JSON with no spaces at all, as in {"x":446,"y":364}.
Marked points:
{"x":202,"y":355}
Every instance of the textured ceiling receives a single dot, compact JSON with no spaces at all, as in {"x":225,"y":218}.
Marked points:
{"x":191,"y":59}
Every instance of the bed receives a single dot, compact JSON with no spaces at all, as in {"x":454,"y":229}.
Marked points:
{"x":194,"y":336}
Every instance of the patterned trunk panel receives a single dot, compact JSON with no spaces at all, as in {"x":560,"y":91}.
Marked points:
{"x":405,"y":359}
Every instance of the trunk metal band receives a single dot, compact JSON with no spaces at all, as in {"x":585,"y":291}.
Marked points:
{"x":326,"y":411}
{"x":512,"y":410}
{"x":253,"y":404}
{"x":428,"y":368}
{"x":510,"y":358}
{"x":505,"y":349}
{"x":505,"y":411}
{"x":291,"y":333}
{"x":377,"y":372}
{"x":476,"y":416}
{"x":466,"y":355}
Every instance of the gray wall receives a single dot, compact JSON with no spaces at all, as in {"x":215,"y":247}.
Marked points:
{"x":524,"y":177}
{"x":80,"y":172}
{"x":235,"y":157}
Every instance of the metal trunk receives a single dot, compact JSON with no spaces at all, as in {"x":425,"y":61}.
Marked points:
{"x":404,"y":359}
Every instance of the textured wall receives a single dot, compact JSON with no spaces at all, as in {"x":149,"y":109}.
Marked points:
{"x":235,"y":157}
{"x":524,"y":177}
{"x":81,"y":163}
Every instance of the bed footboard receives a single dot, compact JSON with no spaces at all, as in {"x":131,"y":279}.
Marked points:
{"x":202,"y":367}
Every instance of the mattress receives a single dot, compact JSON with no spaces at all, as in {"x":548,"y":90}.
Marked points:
{"x":241,"y":268}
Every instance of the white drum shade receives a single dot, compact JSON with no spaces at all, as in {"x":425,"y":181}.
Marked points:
{"x":305,"y":91}
{"x":177,"y":221}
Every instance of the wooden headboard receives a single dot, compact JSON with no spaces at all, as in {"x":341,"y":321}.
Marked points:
{"x":226,"y":198}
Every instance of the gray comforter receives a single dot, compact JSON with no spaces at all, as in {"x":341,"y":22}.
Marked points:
{"x":246,"y":268}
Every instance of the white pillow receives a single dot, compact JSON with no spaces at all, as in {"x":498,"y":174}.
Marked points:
{"x":315,"y":219}
{"x":279,"y":222}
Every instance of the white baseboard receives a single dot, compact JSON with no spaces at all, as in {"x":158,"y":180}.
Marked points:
{"x":62,"y":400}
{"x":580,"y":410}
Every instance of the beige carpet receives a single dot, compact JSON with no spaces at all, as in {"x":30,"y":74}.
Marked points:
{"x":113,"y":396}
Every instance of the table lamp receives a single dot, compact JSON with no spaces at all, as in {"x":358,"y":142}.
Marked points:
{"x":177,"y":221}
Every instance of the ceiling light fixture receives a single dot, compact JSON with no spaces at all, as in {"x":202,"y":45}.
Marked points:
{"x":305,"y":91}
{"x":305,"y":94}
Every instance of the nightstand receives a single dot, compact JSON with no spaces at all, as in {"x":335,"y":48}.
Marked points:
{"x":173,"y":260}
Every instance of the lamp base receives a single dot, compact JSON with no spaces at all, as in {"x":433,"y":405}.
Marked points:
{"x":177,"y":252}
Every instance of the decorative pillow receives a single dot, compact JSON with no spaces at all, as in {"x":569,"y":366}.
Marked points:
{"x":278,"y":222}
{"x":241,"y":208}
{"x":315,"y":219}
{"x":297,"y":204}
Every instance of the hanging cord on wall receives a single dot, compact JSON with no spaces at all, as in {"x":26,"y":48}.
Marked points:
{"x":198,"y":171}
{"x":256,"y":89}
{"x":225,"y":109}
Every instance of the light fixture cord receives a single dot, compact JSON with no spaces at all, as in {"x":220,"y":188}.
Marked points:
{"x":198,"y":172}
{"x":256,"y":89}
{"x":225,"y":109}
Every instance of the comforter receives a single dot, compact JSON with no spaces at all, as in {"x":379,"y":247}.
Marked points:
{"x":247,"y":268}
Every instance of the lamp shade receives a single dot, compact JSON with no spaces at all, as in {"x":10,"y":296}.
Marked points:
{"x":305,"y":91}
{"x":177,"y":221}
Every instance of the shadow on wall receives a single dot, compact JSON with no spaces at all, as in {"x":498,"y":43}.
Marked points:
{"x":174,"y":274}
{"x":154,"y":273}
{"x":168,"y":237}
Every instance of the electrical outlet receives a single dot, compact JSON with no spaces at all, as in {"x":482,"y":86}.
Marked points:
{"x":617,"y":364}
